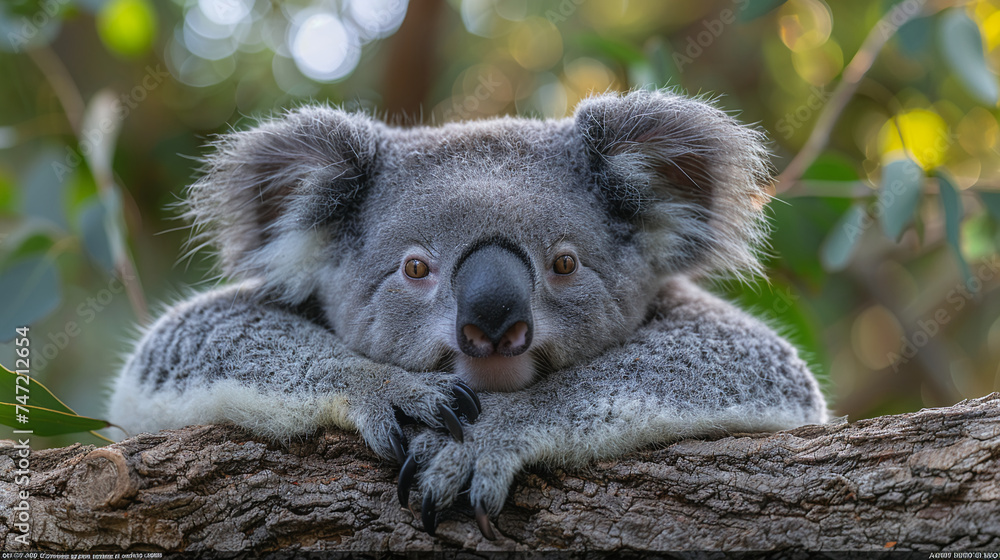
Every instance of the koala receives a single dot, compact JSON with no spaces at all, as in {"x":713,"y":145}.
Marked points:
{"x":477,"y":297}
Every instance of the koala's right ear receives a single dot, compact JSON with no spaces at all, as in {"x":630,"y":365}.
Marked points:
{"x":689,"y":178}
{"x":273,"y":198}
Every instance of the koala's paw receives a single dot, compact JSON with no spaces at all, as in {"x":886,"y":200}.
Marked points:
{"x":480,"y":469}
{"x":439,"y":401}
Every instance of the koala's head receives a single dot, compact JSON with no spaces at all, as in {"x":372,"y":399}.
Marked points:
{"x":500,"y":249}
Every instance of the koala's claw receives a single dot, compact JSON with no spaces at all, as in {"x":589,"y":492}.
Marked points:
{"x":472,"y":394}
{"x":483,"y":521}
{"x":451,"y":422}
{"x":467,"y":401}
{"x":398,"y":442}
{"x":428,"y":515}
{"x":406,"y":475}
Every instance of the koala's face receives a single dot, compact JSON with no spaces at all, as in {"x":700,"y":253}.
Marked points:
{"x":483,"y":248}
{"x":499,"y":249}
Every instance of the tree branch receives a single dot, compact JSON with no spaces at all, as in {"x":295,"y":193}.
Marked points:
{"x":853,"y":73}
{"x":928,"y":480}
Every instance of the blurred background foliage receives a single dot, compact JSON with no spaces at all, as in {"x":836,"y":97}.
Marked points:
{"x":883,"y":116}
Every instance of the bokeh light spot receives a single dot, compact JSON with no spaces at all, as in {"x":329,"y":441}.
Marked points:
{"x":804,"y":24}
{"x":920,"y":134}
{"x":225,"y":12}
{"x":127,"y":27}
{"x":323,"y":48}
{"x":819,"y":66}
{"x":875,"y":336}
{"x":536,"y":44}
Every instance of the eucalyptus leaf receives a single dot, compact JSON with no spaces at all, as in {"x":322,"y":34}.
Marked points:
{"x":898,"y":195}
{"x":757,"y":8}
{"x":915,"y":35}
{"x":46,"y":415}
{"x":31,"y":288}
{"x":31,"y":236}
{"x":658,"y":68}
{"x":44,"y":184}
{"x":840,"y":243}
{"x":45,"y":422}
{"x":962,"y":46}
{"x":951,"y":204}
{"x":39,"y":395}
{"x":831,"y":166}
{"x":992,"y":202}
{"x":94,"y":232}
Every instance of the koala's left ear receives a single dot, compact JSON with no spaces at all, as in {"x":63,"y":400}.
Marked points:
{"x":275,"y":200}
{"x":689,"y":179}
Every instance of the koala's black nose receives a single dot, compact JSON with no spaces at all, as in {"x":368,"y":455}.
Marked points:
{"x":493,"y":288}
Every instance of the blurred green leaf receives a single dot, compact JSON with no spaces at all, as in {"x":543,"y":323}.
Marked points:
{"x":757,"y":8}
{"x":898,"y":195}
{"x":80,"y":190}
{"x":94,"y":232}
{"x":23,"y":243}
{"x":977,"y":237}
{"x":831,"y":166}
{"x":992,"y":202}
{"x":962,"y":46}
{"x":127,"y":27}
{"x":915,"y":35}
{"x":7,"y":193}
{"x":45,"y":185}
{"x":951,"y":203}
{"x":30,"y":236}
{"x":28,"y":25}
{"x":843,"y":238}
{"x":800,"y":227}
{"x":610,"y":48}
{"x":31,"y":288}
{"x":657,"y":69}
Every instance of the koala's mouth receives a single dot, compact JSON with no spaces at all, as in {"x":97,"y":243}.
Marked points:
{"x":496,"y":372}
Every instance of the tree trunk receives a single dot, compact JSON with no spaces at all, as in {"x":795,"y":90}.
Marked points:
{"x":921,"y":481}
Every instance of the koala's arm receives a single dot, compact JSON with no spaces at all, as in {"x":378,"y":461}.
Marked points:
{"x":699,"y":367}
{"x":232,"y":355}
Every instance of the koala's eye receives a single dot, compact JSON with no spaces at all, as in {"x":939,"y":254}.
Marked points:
{"x":416,"y":268}
{"x":564,"y":264}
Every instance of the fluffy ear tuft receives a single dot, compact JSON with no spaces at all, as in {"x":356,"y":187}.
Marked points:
{"x":273,"y":198}
{"x":689,"y":178}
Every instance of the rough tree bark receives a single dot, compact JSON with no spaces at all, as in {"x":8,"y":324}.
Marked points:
{"x":923,"y":481}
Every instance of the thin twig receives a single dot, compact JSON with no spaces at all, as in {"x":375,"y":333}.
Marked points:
{"x":842,"y":94}
{"x":62,"y":83}
{"x":74,"y":107}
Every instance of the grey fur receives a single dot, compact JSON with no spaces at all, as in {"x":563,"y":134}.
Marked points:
{"x":314,"y":215}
